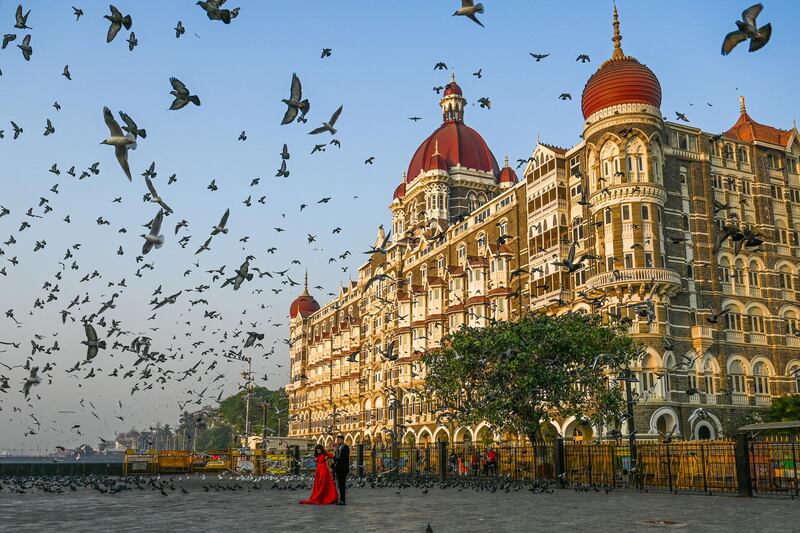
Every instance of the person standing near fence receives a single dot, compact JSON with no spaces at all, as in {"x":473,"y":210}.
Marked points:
{"x":491,"y":462}
{"x":475,"y":462}
{"x":341,"y":467}
{"x":453,"y":460}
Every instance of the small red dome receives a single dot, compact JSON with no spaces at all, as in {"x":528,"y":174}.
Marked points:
{"x":305,"y":304}
{"x":400,"y":191}
{"x":458,"y":144}
{"x":452,"y":88}
{"x":620,"y":81}
{"x":507,"y":175}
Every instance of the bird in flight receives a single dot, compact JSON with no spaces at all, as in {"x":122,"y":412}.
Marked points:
{"x":22,"y":20}
{"x":328,"y":126}
{"x":294,"y":102}
{"x":326,"y":52}
{"x":119,"y":141}
{"x":748,"y":29}
{"x":154,"y":237}
{"x":117,"y":22}
{"x":538,"y":57}
{"x":469,"y":9}
{"x":583,"y":58}
{"x":181,"y":94}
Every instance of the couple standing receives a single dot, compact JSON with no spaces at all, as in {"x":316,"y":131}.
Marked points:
{"x":324,"y":491}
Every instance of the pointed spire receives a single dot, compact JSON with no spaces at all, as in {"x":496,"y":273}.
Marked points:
{"x":453,"y":76}
{"x":618,"y":53}
{"x":436,"y":148}
{"x":742,"y":106}
{"x":506,"y":161}
{"x":305,"y":284}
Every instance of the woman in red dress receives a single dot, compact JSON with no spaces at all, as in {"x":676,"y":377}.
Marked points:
{"x":323,"y":492}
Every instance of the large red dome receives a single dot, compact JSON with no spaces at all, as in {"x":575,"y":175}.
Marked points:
{"x":458,"y":144}
{"x":305,"y":304}
{"x":620,"y":81}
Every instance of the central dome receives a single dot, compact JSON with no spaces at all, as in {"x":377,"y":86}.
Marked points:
{"x":620,"y":80}
{"x":457,"y":144}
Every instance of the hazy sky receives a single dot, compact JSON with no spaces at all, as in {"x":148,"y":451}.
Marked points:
{"x":381,"y":71}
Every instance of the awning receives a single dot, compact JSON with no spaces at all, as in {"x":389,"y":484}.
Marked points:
{"x":772,"y":426}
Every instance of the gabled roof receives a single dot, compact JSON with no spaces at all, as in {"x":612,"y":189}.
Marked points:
{"x":748,"y":130}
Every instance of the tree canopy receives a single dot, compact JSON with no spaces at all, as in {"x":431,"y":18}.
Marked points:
{"x":519,"y":375}
{"x":784,"y":409}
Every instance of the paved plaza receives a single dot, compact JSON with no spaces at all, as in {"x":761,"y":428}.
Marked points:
{"x":385,"y":510}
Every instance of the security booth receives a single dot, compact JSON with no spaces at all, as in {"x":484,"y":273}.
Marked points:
{"x":771,"y":450}
{"x":139,"y":462}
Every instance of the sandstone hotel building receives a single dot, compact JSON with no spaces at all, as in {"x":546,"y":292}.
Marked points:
{"x":645,"y":195}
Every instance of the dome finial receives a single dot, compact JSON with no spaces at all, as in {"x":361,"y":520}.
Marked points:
{"x":506,"y":160}
{"x":742,"y":106}
{"x":436,"y":148}
{"x":618,"y":53}
{"x":305,"y":284}
{"x":453,"y":76}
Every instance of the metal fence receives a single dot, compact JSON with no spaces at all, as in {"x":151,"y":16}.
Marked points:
{"x":741,"y":466}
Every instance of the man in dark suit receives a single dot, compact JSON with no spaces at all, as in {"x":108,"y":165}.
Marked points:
{"x":341,"y":467}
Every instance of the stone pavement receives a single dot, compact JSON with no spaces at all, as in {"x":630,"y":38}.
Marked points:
{"x":384,"y":510}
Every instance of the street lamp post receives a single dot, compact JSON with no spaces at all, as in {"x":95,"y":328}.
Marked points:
{"x":626,"y":375}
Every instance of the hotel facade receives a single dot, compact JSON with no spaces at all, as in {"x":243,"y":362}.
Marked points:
{"x":471,"y":243}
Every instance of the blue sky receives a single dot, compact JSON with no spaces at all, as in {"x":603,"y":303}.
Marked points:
{"x":381,"y":71}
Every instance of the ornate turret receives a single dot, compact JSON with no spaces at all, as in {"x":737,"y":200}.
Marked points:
{"x":453,"y":102}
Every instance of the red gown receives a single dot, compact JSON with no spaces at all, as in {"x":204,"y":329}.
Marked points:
{"x":323,"y":492}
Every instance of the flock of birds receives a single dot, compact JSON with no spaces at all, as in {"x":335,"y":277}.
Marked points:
{"x":148,"y":359}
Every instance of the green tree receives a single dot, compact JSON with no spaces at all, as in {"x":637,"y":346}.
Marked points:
{"x":233,"y":408}
{"x":215,"y":438}
{"x":519,"y":375}
{"x":784,"y":409}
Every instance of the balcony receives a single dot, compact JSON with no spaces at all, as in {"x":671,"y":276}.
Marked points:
{"x":694,"y":398}
{"x":787,"y":295}
{"x":757,"y":338}
{"x":792,"y":340}
{"x":633,"y":276}
{"x":763,"y":400}
{"x":734,"y":336}
{"x":711,"y":399}
{"x":702,"y":338}
{"x":739,"y":398}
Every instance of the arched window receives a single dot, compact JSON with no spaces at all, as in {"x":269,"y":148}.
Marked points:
{"x":423,"y":271}
{"x":482,"y":199}
{"x":733,"y":318}
{"x":502,"y":227}
{"x":794,"y":373}
{"x":481,"y":240}
{"x":761,"y":378}
{"x":790,"y":322}
{"x":738,"y":273}
{"x":752,"y":274}
{"x":472,"y":202}
{"x":462,"y":251}
{"x":724,"y":270}
{"x":737,"y":375}
{"x":708,"y":377}
{"x":648,"y":375}
{"x":756,"y":320}
{"x":785,"y":277}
